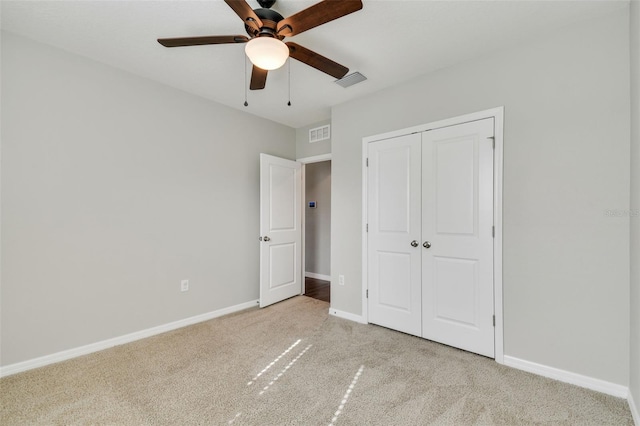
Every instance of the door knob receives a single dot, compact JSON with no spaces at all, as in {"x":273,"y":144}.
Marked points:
{"x":426,"y":244}
{"x":266,"y":238}
{"x":414,"y":243}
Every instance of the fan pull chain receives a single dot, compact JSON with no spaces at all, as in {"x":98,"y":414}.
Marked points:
{"x":289,"y":66}
{"x":245,"y":80}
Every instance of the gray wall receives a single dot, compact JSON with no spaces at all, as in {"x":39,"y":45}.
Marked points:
{"x":305,"y":149}
{"x":318,"y":220}
{"x":566,"y":162}
{"x":634,"y":383}
{"x":114,"y":188}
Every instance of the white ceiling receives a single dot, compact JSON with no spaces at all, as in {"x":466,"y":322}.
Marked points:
{"x":388,"y":41}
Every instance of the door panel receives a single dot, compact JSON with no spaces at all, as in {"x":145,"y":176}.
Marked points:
{"x":456,"y":281}
{"x":394,"y":267}
{"x":283,"y":197}
{"x":280,"y":223}
{"x":456,"y":203}
{"x":394,"y":222}
{"x":457,"y":219}
{"x":282,"y":264}
{"x":393,"y":191}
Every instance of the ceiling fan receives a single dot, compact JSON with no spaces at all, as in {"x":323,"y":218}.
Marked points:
{"x":267,"y":28}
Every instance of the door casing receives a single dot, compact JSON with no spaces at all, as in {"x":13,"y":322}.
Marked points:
{"x":498,"y":115}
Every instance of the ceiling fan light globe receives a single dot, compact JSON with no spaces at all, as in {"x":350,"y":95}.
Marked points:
{"x":267,"y":53}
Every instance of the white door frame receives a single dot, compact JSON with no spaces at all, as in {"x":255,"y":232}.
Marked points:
{"x":305,"y":161}
{"x":498,"y":115}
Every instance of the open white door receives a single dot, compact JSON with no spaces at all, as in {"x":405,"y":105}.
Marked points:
{"x":280,"y":229}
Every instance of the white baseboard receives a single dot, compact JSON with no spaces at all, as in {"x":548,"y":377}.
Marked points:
{"x":317,"y":276}
{"x":127,"y":338}
{"x":634,"y":409}
{"x":568,"y":377}
{"x":347,"y":315}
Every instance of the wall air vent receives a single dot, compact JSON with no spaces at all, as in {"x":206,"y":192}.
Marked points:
{"x":320,"y":133}
{"x":351,"y":79}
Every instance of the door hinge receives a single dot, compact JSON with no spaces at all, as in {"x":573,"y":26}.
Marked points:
{"x":367,"y":293}
{"x":493,"y":141}
{"x":367,"y":162}
{"x":493,"y":232}
{"x":494,"y":320}
{"x":367,"y":227}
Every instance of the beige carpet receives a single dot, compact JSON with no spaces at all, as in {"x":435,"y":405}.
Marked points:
{"x":291,"y":364}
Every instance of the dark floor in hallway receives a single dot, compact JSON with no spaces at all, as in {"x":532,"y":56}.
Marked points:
{"x":318,"y":289}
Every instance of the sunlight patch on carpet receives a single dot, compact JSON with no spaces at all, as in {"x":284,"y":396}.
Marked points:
{"x":264,"y":370}
{"x":345,"y":398}
{"x":234,"y":419}
{"x":284,"y":370}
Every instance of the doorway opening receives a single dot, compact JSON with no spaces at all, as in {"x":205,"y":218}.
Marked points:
{"x":317,"y":227}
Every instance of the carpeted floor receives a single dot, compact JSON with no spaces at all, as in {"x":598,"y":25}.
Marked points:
{"x":291,"y":364}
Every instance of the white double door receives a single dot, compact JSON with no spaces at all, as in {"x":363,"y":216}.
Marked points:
{"x":430,"y":238}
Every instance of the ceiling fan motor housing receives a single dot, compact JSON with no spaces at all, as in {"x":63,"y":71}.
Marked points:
{"x":266,"y":3}
{"x":270,"y":19}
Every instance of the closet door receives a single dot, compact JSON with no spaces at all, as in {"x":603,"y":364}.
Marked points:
{"x":457,"y":238}
{"x":394,"y":250}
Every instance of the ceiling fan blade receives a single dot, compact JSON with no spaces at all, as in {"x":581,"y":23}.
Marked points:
{"x":258,"y":78}
{"x":198,"y":41}
{"x":244,"y":11}
{"x":318,"y":14}
{"x":316,"y":60}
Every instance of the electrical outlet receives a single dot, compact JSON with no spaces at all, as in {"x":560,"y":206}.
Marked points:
{"x":184,"y":285}
{"x":341,"y":279}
